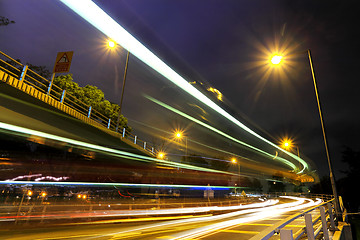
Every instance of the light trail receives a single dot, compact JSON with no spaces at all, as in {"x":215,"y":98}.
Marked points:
{"x":253,"y":212}
{"x":257,"y":215}
{"x":246,"y":209}
{"x":89,"y":11}
{"x":118,"y":153}
{"x":197,"y":187}
{"x":138,"y":213}
{"x":288,"y":163}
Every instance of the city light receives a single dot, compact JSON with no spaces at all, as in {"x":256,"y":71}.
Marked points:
{"x":276,"y":59}
{"x":111,"y":44}
{"x":103,"y":22}
{"x":286,"y":162}
{"x":118,"y":153}
{"x":112,"y":184}
{"x":161,"y":155}
{"x":287,"y":143}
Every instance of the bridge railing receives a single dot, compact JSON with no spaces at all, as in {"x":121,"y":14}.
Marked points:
{"x":21,"y":72}
{"x":320,"y":224}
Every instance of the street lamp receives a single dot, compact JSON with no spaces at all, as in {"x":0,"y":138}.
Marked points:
{"x":179,"y":135}
{"x":275,"y":60}
{"x":234,"y":161}
{"x":112,"y":45}
{"x":288,"y":144}
{"x":161,"y":155}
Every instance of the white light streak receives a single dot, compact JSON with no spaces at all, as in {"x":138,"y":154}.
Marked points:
{"x":258,"y":214}
{"x":111,"y":151}
{"x":103,"y":22}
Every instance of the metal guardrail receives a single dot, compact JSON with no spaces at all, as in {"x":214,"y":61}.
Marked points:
{"x":320,"y":223}
{"x":20,"y":76}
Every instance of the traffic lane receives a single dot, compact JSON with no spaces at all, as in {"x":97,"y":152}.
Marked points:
{"x":115,"y":231}
{"x":160,"y":230}
{"x":248,"y":230}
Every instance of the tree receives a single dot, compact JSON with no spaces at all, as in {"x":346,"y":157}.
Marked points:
{"x":195,"y":160}
{"x":256,"y":185}
{"x":352,"y":158}
{"x":220,"y":164}
{"x":91,"y":96}
{"x":5,"y":21}
{"x":347,"y":186}
{"x":41,"y":70}
{"x":277,"y":185}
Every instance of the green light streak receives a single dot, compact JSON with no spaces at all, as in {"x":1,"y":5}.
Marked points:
{"x":288,"y":163}
{"x":114,"y":152}
{"x":104,"y":23}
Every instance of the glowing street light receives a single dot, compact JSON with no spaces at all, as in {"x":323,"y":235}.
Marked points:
{"x":161,"y":155}
{"x":287,"y":143}
{"x":276,"y":59}
{"x":179,"y":135}
{"x":111,"y":44}
{"x":234,"y":161}
{"x":29,"y":193}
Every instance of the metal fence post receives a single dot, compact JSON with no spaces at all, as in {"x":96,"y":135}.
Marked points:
{"x":63,"y":96}
{"x":144,"y":145}
{"x":135,"y":139}
{"x":89,"y":112}
{"x":124,"y":132}
{"x":286,"y":234}
{"x":108,"y":126}
{"x":324,"y":224}
{"x":309,"y":227}
{"x":152,"y":149}
{"x":23,"y":73}
{"x":331,"y":216}
{"x":50,"y":84}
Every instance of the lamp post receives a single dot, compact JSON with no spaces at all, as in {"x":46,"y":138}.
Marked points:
{"x":276,"y":60}
{"x":161,"y":155}
{"x":288,"y":144}
{"x":112,"y":45}
{"x":179,"y":135}
{"x":233,"y":160}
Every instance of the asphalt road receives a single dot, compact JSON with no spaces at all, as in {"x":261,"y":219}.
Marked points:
{"x":238,"y":224}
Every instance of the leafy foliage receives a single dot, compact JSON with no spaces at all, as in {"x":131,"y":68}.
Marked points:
{"x":41,"y":70}
{"x":92,"y":96}
{"x":5,"y":21}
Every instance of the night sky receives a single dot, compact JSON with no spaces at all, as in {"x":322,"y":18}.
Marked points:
{"x":222,"y":44}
